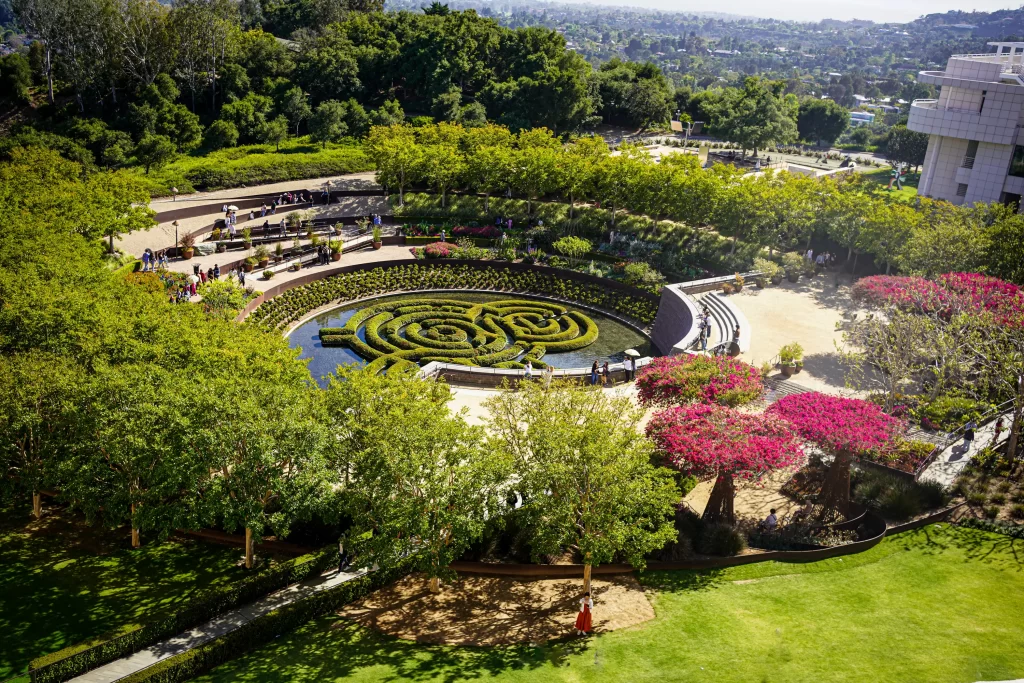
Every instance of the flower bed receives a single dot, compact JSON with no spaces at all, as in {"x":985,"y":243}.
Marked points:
{"x":431,"y":230}
{"x":294,"y":303}
{"x":673,"y":380}
{"x":951,"y":293}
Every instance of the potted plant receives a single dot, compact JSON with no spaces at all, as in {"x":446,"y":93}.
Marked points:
{"x":249,"y":264}
{"x":809,"y":268}
{"x":297,"y":265}
{"x":793,"y":264}
{"x":791,"y":359}
{"x":293,"y":221}
{"x":268,"y":274}
{"x":364,"y":223}
{"x":727,"y":288}
{"x":247,"y":237}
{"x":222,"y":247}
{"x":187,"y":244}
{"x":262,"y":255}
{"x":335,"y":247}
{"x":768,"y":269}
{"x":376,"y":237}
{"x":737,"y":282}
{"x":278,"y":253}
{"x":215,"y":234}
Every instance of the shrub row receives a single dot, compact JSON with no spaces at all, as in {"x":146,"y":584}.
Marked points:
{"x":77,"y":659}
{"x":1011,"y":530}
{"x":262,"y":630}
{"x":294,"y":303}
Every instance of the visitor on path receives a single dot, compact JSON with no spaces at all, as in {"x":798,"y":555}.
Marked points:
{"x":195,"y":269}
{"x":442,"y":234}
{"x":770,"y":522}
{"x":809,"y":255}
{"x":263,"y":210}
{"x":241,"y":277}
{"x":703,"y":327}
{"x":145,"y":260}
{"x":736,"y":340}
{"x":209,"y":275}
{"x":969,"y":434}
{"x":593,"y":374}
{"x":632,"y":367}
{"x":998,"y":432}
{"x":585,"y":620}
{"x":528,"y":370}
{"x":605,"y":374}
{"x":216,"y":271}
{"x":549,"y":372}
{"x":343,"y":559}
{"x":202,"y":277}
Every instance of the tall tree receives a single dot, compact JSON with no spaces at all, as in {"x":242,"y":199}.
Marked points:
{"x":760,"y":115}
{"x":822,"y":121}
{"x":585,"y":473}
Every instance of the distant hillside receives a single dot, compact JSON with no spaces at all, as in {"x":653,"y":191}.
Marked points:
{"x":998,"y":24}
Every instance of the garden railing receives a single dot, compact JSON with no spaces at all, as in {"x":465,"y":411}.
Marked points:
{"x":958,"y":433}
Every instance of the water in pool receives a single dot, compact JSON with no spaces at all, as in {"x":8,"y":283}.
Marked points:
{"x":612,"y":340}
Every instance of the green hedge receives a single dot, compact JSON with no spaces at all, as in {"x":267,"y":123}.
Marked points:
{"x":1011,"y":530}
{"x":295,"y":303}
{"x":77,"y":659}
{"x":262,"y":630}
{"x":420,"y":241}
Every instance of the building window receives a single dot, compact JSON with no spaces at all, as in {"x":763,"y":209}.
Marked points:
{"x":961,"y":190}
{"x":982,"y":107}
{"x":972,"y":151}
{"x":1017,"y":163}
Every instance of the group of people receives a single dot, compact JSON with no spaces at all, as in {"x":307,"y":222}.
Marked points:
{"x":598,"y":371}
{"x":824,"y":259}
{"x":151,"y":260}
{"x":323,"y":254}
{"x":704,"y":331}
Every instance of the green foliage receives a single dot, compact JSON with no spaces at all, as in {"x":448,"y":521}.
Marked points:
{"x":951,"y":412}
{"x":328,"y":123}
{"x":721,"y":540}
{"x":296,"y":302}
{"x":202,"y":606}
{"x":572,"y":247}
{"x":821,"y":120}
{"x":154,"y":151}
{"x":906,"y":146}
{"x":221,"y":134}
{"x":584,"y":470}
{"x":770,"y":269}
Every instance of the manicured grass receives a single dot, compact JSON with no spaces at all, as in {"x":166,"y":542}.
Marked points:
{"x":62,"y":582}
{"x":934,"y":605}
{"x":252,"y":165}
{"x":910,"y":181}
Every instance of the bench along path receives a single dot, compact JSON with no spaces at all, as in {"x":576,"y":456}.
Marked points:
{"x":225,"y":623}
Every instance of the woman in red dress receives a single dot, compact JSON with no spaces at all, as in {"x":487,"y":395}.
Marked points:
{"x":583,"y":619}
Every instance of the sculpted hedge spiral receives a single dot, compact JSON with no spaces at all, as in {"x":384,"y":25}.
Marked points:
{"x":501,"y":334}
{"x":295,"y":303}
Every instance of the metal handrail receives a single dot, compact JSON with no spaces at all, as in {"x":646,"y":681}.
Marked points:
{"x":958,"y":433}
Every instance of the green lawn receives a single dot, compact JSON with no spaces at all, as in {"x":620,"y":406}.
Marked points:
{"x":910,"y":181}
{"x":938,"y":604}
{"x":250,"y":165}
{"x":62,"y":582}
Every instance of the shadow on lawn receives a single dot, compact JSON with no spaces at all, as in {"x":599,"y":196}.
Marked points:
{"x":998,"y":550}
{"x":334,"y":648}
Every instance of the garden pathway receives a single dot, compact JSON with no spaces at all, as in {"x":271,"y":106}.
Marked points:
{"x":225,"y":623}
{"x":951,"y":461}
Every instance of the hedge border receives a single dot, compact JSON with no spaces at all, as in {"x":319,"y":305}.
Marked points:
{"x":77,"y":659}
{"x":263,"y":629}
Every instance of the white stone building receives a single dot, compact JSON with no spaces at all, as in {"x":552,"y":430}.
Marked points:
{"x":975,"y":149}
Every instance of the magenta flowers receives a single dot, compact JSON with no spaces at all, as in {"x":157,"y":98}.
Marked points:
{"x":674,"y":380}
{"x":951,"y":293}
{"x":837,"y":424}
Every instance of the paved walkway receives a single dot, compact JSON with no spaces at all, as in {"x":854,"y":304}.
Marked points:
{"x":952,"y":461}
{"x":214,"y":628}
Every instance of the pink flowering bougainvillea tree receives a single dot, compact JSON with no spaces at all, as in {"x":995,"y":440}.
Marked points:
{"x":952,"y":293}
{"x":845,"y":427}
{"x":710,"y":441}
{"x":675,"y":380}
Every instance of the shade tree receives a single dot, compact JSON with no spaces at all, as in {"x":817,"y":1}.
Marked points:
{"x":716,"y":443}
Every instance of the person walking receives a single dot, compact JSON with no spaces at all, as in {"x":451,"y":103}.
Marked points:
{"x":605,"y":374}
{"x":593,"y":374}
{"x":202,"y":277}
{"x":216,"y":271}
{"x":969,"y":434}
{"x":442,"y":234}
{"x":632,"y":367}
{"x":145,"y":260}
{"x":528,"y":370}
{"x":343,"y":560}
{"x":549,"y":372}
{"x":736,"y":340}
{"x":241,"y":277}
{"x":585,"y":620}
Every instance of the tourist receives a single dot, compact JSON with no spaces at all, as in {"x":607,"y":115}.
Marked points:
{"x":442,"y":234}
{"x":263,"y":210}
{"x":969,"y":434}
{"x":145,"y":260}
{"x":202,"y":277}
{"x":809,"y":255}
{"x":252,"y":215}
{"x":770,"y":522}
{"x":195,"y":269}
{"x":593,"y":374}
{"x":216,"y":271}
{"x":632,"y":367}
{"x":736,"y":340}
{"x":344,"y":561}
{"x":584,"y":620}
{"x":703,"y":327}
{"x":820,"y":261}
{"x":549,"y":372}
{"x":605,"y":374}
{"x":509,"y":223}
{"x":528,"y":370}
{"x":998,"y":432}
{"x":241,"y":277}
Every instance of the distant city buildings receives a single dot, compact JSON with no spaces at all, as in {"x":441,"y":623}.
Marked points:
{"x":974,"y":154}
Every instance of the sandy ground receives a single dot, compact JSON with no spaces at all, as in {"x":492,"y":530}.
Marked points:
{"x":753,"y":501}
{"x":489,"y":611}
{"x":810,"y":312}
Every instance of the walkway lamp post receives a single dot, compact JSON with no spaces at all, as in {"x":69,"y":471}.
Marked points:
{"x":177,"y":247}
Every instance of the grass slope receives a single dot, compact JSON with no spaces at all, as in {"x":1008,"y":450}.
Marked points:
{"x":934,"y":605}
{"x":253,"y":165}
{"x":910,"y":181}
{"x":62,"y":582}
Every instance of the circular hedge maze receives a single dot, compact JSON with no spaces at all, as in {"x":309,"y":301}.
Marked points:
{"x":497,"y":334}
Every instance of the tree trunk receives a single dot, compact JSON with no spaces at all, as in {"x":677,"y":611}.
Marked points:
{"x":487,"y":202}
{"x":135,"y":530}
{"x":855,"y":257}
{"x":435,"y":584}
{"x":49,"y":74}
{"x":571,"y":203}
{"x":112,"y":236}
{"x":887,"y":267}
{"x":1015,"y":425}
{"x":248,"y":548}
{"x":443,"y":197}
{"x":720,"y":503}
{"x":835,"y":490}
{"x":733,"y":250}
{"x":586,"y":574}
{"x":37,"y":504}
